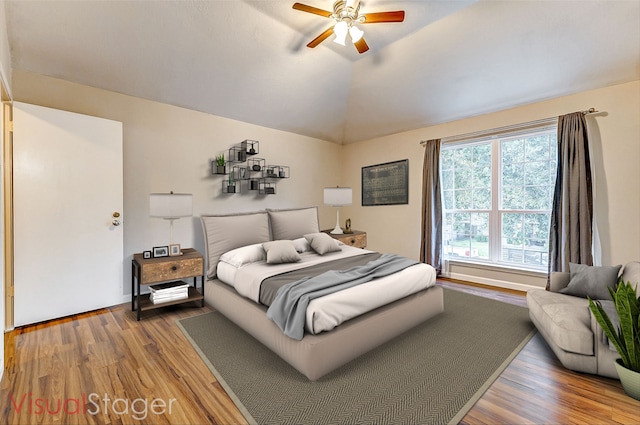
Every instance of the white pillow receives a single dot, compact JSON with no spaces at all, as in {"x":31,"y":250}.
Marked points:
{"x":279,"y":252}
{"x":322,"y":243}
{"x":245,"y":255}
{"x":302,"y":245}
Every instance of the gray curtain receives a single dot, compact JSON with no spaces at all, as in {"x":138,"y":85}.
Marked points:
{"x":431,"y":239}
{"x":570,"y":237}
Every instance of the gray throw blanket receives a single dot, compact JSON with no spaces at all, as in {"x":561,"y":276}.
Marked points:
{"x":289,"y":308}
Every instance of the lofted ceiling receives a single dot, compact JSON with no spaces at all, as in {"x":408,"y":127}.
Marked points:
{"x":247,"y":60}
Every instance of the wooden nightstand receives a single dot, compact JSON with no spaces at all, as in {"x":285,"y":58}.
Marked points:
{"x":147,"y":271}
{"x":357,"y":238}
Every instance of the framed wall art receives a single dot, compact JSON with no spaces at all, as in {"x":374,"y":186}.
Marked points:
{"x":386,"y":184}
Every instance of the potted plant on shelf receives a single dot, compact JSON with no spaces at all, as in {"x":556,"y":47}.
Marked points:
{"x":220,"y":163}
{"x":231,"y":186}
{"x":625,"y":336}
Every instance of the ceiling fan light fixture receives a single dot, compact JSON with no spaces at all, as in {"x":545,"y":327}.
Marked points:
{"x":355,"y":33}
{"x":341,"y":29}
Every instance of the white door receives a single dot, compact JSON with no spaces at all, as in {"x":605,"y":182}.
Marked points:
{"x":68,"y":253}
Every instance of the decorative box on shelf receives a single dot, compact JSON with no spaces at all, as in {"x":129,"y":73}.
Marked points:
{"x":240,"y":172}
{"x":251,"y":147}
{"x":254,"y":184}
{"x":267,"y":188}
{"x":256,"y":164}
{"x":237,"y":154}
{"x":281,"y":171}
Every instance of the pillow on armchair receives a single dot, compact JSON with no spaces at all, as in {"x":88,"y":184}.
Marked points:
{"x":591,"y":281}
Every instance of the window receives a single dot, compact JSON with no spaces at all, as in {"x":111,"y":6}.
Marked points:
{"x":497,"y":197}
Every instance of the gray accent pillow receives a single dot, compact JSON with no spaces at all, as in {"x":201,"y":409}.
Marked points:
{"x":322,"y":243}
{"x":223,"y":233}
{"x":631,"y":273}
{"x":293,"y":223}
{"x":279,"y":252}
{"x":591,"y":281}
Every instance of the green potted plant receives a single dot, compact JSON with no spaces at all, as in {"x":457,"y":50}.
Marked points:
{"x":626,"y":336}
{"x":220,"y":163}
{"x":231,"y":186}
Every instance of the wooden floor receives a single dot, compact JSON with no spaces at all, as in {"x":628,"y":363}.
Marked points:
{"x":105,"y":367}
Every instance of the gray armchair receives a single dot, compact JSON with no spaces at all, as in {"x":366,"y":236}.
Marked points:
{"x":567,"y":325}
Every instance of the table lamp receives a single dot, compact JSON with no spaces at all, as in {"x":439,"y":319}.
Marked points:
{"x":337,"y":197}
{"x":170,"y":206}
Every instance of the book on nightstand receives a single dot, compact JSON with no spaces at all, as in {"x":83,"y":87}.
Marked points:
{"x":170,"y":291}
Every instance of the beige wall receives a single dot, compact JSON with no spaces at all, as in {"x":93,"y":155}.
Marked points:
{"x":5,"y":56}
{"x":170,"y":148}
{"x":616,"y":159}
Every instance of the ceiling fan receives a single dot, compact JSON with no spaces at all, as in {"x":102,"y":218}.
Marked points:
{"x":346,"y":14}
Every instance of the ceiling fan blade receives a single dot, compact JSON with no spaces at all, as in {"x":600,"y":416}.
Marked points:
{"x":319,"y":39}
{"x":311,"y":9}
{"x":374,"y":18}
{"x":361,"y":45}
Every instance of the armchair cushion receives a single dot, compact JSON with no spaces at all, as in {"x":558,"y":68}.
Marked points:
{"x":591,"y":281}
{"x":565,"y":319}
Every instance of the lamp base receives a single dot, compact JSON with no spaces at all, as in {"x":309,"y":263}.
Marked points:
{"x":337,"y":230}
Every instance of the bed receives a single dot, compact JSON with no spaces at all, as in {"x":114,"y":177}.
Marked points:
{"x":241,"y":249}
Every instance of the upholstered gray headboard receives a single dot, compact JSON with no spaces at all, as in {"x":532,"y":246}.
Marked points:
{"x":223,"y":233}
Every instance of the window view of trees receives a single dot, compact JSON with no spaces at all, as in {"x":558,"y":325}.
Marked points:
{"x":497,"y":198}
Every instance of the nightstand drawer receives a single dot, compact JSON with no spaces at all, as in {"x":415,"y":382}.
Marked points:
{"x":358,"y":240}
{"x":172,"y":270}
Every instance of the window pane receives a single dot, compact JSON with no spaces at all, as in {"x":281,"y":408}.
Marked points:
{"x":512,"y":151}
{"x":466,"y":235}
{"x":447,"y":195}
{"x":447,"y":179}
{"x":512,"y":198}
{"x":482,"y":199}
{"x":537,"y":198}
{"x":512,"y":174}
{"x":536,"y":173}
{"x":512,"y":240}
{"x":537,"y":148}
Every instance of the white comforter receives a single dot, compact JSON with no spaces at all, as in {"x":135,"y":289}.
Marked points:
{"x":325,"y":313}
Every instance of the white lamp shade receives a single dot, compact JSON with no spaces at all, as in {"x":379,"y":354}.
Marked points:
{"x":355,"y":33}
{"x":340,"y":30}
{"x":170,"y":205}
{"x":337,"y":196}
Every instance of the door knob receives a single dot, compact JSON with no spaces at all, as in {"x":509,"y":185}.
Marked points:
{"x":116,"y":214}
{"x":116,"y":222}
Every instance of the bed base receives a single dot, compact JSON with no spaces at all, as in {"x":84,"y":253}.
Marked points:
{"x":316,"y":355}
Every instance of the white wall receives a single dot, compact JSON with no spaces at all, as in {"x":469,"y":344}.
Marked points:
{"x":616,"y":159}
{"x":169,"y":148}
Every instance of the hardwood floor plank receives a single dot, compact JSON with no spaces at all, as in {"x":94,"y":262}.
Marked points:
{"x":109,"y":354}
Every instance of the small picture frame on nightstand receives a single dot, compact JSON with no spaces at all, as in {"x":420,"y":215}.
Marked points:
{"x":160,"y":251}
{"x":146,"y":254}
{"x":174,"y":250}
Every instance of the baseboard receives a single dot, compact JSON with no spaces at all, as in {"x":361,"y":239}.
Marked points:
{"x":493,"y":282}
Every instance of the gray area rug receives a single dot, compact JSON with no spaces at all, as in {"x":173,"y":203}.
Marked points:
{"x":432,"y":374}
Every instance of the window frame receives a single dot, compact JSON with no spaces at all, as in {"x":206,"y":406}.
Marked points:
{"x":496,"y":212}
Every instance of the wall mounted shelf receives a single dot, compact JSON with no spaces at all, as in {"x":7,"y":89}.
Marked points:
{"x":243,"y":166}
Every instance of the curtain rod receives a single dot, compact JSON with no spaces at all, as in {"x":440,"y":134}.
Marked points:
{"x":507,"y":129}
